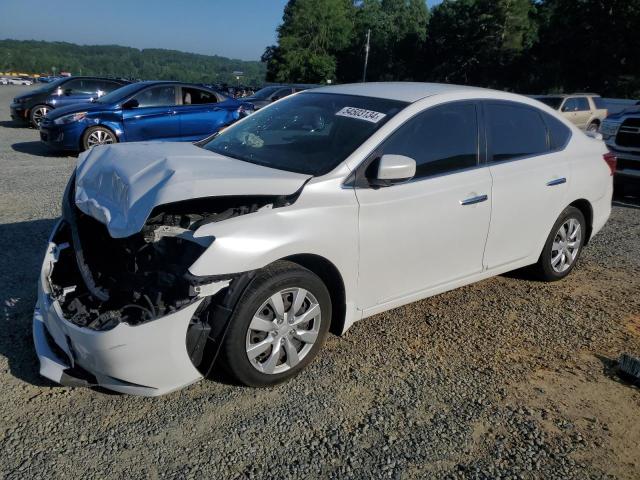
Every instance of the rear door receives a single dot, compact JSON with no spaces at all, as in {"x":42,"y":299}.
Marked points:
{"x":530,"y":181}
{"x":201,"y":113}
{"x":155,"y":116}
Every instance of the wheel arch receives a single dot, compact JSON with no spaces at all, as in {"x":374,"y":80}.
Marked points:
{"x":331,"y":277}
{"x":107,"y":127}
{"x":586,"y":209}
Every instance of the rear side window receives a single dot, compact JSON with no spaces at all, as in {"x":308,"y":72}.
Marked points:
{"x":442,"y":139}
{"x":559,"y":133}
{"x":599,"y":103}
{"x":515,"y":131}
{"x":576,"y":104}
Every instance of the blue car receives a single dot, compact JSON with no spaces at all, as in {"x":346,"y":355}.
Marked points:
{"x":165,"y":111}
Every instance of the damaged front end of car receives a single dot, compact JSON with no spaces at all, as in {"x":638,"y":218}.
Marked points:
{"x":102,"y":284}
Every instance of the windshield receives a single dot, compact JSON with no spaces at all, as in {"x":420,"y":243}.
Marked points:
{"x":309,"y":133}
{"x":553,"y":102}
{"x":120,"y":93}
{"x":265,"y":93}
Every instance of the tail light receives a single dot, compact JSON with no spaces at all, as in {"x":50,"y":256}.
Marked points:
{"x":611,"y":160}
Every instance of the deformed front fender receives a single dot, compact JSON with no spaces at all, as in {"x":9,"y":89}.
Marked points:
{"x":323,"y":224}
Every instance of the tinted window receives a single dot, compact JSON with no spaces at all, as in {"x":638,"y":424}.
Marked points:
{"x":442,"y":139}
{"x":310,"y":133}
{"x":583,"y":104}
{"x":195,"y":96}
{"x":599,"y":102}
{"x":81,"y":85}
{"x":559,"y":133}
{"x":515,"y":131}
{"x":157,"y":97}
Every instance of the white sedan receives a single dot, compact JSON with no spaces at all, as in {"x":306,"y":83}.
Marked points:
{"x":320,"y":210}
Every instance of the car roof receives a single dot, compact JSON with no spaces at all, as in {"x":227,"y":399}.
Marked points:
{"x":402,"y":91}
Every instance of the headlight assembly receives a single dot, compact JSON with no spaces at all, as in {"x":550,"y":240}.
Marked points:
{"x":72,"y":117}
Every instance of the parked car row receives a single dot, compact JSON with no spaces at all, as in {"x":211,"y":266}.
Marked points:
{"x":76,"y":113}
{"x":15,"y":81}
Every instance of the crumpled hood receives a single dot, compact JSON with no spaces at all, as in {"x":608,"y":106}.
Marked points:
{"x":119,"y":185}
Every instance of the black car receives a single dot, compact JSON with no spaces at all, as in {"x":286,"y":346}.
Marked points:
{"x":267,"y":95}
{"x":31,"y":107}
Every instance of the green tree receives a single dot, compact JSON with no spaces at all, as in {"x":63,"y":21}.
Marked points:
{"x":312,"y":33}
{"x":479,"y":42}
{"x":398,"y":32}
{"x":589,"y":45}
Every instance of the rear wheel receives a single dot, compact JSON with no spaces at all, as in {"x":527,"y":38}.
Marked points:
{"x":278,"y":327}
{"x":593,"y":127}
{"x":97,"y":136}
{"x":37,"y":114}
{"x":563,"y":246}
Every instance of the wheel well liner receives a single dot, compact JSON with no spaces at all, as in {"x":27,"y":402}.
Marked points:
{"x":587,"y":210}
{"x":331,"y":277}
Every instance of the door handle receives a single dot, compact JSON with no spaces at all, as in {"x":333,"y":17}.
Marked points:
{"x":474,"y":200}
{"x":557,"y":181}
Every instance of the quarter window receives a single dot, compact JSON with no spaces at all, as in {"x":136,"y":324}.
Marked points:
{"x":515,"y":131}
{"x":442,"y":139}
{"x":157,"y":97}
{"x":559,"y":133}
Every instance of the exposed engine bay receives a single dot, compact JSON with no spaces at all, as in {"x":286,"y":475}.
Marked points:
{"x":100,"y":281}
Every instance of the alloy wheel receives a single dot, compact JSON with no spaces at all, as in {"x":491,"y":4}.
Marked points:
{"x":39,"y":114}
{"x":283,"y":330}
{"x":566,"y":245}
{"x":99,"y":137}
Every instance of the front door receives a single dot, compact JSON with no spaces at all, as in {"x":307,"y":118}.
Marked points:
{"x":431,"y":230}
{"x":154,"y":117}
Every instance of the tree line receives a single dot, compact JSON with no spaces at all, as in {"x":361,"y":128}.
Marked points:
{"x":528,"y":46}
{"x":111,"y":60}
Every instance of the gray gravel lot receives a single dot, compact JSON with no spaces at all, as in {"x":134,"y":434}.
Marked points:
{"x":508,"y":378}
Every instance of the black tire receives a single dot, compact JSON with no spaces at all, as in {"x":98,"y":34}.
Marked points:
{"x":593,"y":127}
{"x":34,"y":114}
{"x":85,"y":142}
{"x":544,"y":269}
{"x":272,"y":279}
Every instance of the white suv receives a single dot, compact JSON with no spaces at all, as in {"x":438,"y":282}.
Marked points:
{"x":319,"y":210}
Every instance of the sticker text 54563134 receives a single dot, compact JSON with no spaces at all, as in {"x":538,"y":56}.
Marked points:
{"x":361,"y":114}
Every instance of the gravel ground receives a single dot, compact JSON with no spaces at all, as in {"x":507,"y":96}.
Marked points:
{"x":508,"y":378}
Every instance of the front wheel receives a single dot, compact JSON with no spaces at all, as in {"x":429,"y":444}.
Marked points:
{"x":97,"y":136}
{"x":38,"y":113}
{"x":279,"y":325}
{"x":563,"y":246}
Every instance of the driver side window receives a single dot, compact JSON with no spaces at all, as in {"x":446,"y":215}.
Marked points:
{"x":441,"y":140}
{"x":157,"y":97}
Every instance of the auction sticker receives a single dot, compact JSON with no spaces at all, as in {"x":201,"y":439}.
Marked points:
{"x":361,"y":114}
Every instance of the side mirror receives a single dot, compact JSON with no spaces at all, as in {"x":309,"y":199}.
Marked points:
{"x":393,"y":169}
{"x":130,"y":104}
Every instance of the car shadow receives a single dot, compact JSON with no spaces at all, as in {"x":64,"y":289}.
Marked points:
{"x":39,"y":149}
{"x":13,"y":124}
{"x":23,"y":250}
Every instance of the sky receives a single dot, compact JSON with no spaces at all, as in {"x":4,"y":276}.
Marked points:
{"x":230,"y":28}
